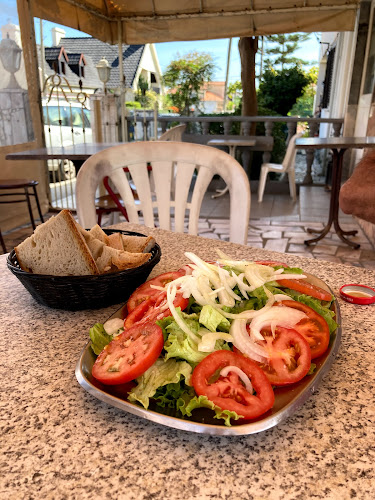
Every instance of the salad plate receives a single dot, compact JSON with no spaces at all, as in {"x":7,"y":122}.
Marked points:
{"x":287,"y":399}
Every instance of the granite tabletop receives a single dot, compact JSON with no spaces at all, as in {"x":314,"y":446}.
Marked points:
{"x":59,"y":442}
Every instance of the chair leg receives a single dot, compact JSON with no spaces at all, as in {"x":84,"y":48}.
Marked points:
{"x":100,"y":213}
{"x":292,"y":184}
{"x":27,"y":194}
{"x":38,"y":204}
{"x":3,"y":243}
{"x":262,"y":183}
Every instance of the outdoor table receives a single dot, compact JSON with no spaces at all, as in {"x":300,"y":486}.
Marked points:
{"x":232,"y":144}
{"x":338,"y":146}
{"x":76,"y":152}
{"x":58,"y":441}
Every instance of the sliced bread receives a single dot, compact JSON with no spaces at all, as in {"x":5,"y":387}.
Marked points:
{"x":115,"y":241}
{"x":98,"y":233}
{"x":58,"y":248}
{"x":137,"y":243}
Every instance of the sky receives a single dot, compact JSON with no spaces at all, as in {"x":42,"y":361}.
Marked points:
{"x":168,"y":51}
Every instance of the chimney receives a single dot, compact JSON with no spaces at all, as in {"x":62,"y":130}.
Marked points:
{"x":57,"y":35}
{"x":13,"y":32}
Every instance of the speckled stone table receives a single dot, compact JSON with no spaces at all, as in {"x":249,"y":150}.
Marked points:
{"x":59,"y":442}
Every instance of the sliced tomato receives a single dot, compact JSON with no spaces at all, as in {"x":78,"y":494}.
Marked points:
{"x":314,"y":328}
{"x":129,"y":355}
{"x":305,"y":287}
{"x":229,"y":393}
{"x":272,"y":263}
{"x":289,"y":356}
{"x":145,"y":291}
{"x":153,"y":309}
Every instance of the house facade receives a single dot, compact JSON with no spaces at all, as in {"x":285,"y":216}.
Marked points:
{"x":138,"y":60}
{"x":347,"y":77}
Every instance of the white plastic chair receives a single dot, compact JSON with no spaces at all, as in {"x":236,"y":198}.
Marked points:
{"x":173,"y":134}
{"x":169,"y":160}
{"x":287,"y":166}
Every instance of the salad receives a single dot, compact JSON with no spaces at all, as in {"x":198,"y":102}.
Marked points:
{"x":220,"y":335}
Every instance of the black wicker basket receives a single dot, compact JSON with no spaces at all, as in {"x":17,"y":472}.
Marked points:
{"x":75,"y":293}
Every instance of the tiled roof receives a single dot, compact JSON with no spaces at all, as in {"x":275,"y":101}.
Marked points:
{"x":91,"y":79}
{"x":52,"y":53}
{"x":96,"y":50}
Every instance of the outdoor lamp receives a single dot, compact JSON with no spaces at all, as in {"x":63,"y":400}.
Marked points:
{"x":10,"y":55}
{"x":104,"y":71}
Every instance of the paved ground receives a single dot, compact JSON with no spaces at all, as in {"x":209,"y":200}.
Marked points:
{"x":276,"y":224}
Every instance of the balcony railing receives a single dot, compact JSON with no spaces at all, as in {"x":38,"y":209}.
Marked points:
{"x":198,"y":131}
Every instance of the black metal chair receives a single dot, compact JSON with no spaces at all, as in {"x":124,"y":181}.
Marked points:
{"x":23,"y":189}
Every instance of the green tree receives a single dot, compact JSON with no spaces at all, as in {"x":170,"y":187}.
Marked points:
{"x":279,"y":90}
{"x":141,"y":92}
{"x":234,"y":95}
{"x":304,"y":105}
{"x":185,"y":78}
{"x":282,"y":48}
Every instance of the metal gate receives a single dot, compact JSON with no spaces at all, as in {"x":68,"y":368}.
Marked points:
{"x":67,"y":122}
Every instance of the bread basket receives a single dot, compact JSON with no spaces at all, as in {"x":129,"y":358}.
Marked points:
{"x":75,"y":293}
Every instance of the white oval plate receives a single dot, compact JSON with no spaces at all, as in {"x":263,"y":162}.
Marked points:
{"x":287,"y":399}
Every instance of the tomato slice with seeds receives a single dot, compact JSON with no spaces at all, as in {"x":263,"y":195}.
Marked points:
{"x":229,"y":393}
{"x":305,"y":287}
{"x":153,"y":309}
{"x":129,"y":355}
{"x":145,"y":291}
{"x":314,"y":328}
{"x":289,"y":356}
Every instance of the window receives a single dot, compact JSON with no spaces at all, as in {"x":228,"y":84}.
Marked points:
{"x":328,"y":79}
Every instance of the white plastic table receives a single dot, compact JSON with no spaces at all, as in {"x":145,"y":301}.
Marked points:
{"x":232,"y":144}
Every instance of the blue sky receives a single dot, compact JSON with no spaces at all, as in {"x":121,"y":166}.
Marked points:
{"x":169,"y":50}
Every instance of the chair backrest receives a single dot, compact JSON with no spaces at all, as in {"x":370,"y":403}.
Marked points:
{"x":189,"y":168}
{"x":173,"y":134}
{"x":290,"y":154}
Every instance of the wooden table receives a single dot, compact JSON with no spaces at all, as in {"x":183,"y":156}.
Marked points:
{"x":338,"y":146}
{"x":58,"y":441}
{"x":78,"y":152}
{"x":232,"y":144}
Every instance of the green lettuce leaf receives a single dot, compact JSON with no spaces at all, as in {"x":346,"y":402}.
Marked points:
{"x":289,"y":270}
{"x":99,"y":338}
{"x":186,"y":409}
{"x":179,"y":345}
{"x":159,"y":374}
{"x":257,"y":300}
{"x":312,"y":369}
{"x":173,"y":395}
{"x":213,"y":320}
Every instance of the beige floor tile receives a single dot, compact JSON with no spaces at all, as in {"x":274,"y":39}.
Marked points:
{"x":276,"y":245}
{"x":271,"y":235}
{"x":324,"y":249}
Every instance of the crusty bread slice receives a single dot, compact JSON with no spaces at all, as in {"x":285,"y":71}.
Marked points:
{"x":97,"y":232}
{"x":58,"y":248}
{"x":137,"y":244}
{"x":115,"y":241}
{"x":112,"y":259}
{"x":96,"y":246}
{"x":128,"y":260}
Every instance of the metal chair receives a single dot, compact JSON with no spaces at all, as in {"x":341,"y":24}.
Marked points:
{"x":13,"y":188}
{"x":189,"y":167}
{"x":287,"y":166}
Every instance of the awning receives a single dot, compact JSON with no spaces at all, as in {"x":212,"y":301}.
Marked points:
{"x":147,"y":21}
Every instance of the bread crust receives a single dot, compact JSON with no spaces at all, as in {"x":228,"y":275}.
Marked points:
{"x":90,"y":252}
